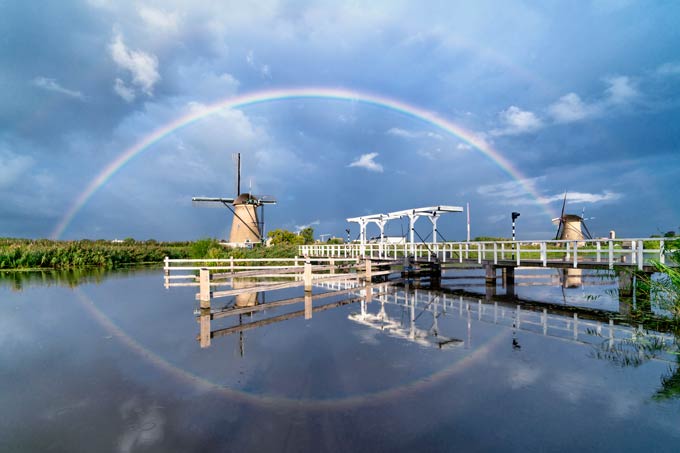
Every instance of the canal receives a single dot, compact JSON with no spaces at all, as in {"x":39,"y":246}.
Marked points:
{"x":110,"y":361}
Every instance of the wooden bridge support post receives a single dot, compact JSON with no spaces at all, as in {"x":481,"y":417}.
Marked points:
{"x":307,"y":276}
{"x":204,"y":287}
{"x":332,"y":264}
{"x":204,"y":322}
{"x":490,"y":270}
{"x":368,"y":278}
{"x":509,"y":282}
{"x":308,"y":305}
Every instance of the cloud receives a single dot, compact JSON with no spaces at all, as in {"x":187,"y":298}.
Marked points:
{"x":299,"y":228}
{"x":620,"y":90}
{"x":367,"y":161}
{"x":584,"y":197}
{"x":463,"y":147}
{"x":158,"y":19}
{"x":142,"y":66}
{"x":517,"y":121}
{"x":12,"y":166}
{"x":398,"y":132}
{"x":124,"y":91}
{"x":571,"y":108}
{"x":264,"y":69}
{"x":52,"y":85}
{"x":669,"y":69}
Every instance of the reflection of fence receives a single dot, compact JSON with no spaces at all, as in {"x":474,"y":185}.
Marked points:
{"x":600,"y":253}
{"x":266,"y":274}
{"x":572,"y":328}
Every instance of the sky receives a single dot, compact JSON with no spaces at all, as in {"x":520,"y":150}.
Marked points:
{"x":113,"y":114}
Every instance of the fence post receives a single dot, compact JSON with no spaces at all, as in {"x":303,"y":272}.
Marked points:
{"x":599,"y":250}
{"x":332,"y":264}
{"x":641,"y":255}
{"x":662,"y":255}
{"x":204,"y":287}
{"x":369,"y":272}
{"x":611,"y":254}
{"x":544,"y":253}
{"x":166,"y":265}
{"x":518,"y":253}
{"x":231,"y":264}
{"x":308,"y":276}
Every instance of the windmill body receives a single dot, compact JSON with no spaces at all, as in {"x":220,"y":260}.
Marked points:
{"x":571,"y":227}
{"x":247,"y":226}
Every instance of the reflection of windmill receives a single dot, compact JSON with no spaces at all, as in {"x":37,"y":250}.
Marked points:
{"x":246,"y":228}
{"x":571,"y":226}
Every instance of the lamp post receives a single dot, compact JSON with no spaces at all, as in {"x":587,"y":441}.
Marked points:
{"x":514,"y":217}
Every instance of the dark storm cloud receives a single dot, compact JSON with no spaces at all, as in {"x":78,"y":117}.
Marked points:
{"x":578,"y":97}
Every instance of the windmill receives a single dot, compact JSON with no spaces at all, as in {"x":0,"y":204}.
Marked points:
{"x":246,"y":227}
{"x":571,"y":226}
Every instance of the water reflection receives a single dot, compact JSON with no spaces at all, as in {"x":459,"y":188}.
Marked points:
{"x":342,"y":367}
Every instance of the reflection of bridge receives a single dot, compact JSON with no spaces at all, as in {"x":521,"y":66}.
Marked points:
{"x":584,"y":326}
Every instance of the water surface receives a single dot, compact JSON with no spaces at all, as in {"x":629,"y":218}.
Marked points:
{"x":111,"y":362}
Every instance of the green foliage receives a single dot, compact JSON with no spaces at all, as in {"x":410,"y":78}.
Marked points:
{"x":489,"y":239}
{"x":205,"y":248}
{"x":335,"y":241}
{"x":285,"y":237}
{"x":308,"y":235}
{"x":43,"y":253}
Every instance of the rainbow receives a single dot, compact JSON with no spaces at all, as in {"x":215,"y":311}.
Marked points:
{"x":261,"y":97}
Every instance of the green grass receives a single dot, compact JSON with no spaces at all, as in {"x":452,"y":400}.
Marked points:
{"x":48,"y":254}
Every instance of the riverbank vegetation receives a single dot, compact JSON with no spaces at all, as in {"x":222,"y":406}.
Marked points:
{"x":18,"y":253}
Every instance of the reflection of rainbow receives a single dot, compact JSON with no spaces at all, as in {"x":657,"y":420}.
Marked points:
{"x":260,"y":97}
{"x":385,"y":396}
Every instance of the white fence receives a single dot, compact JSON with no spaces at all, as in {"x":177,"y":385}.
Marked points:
{"x":638,"y":252}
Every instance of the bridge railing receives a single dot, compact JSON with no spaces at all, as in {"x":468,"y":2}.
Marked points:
{"x":637,"y":252}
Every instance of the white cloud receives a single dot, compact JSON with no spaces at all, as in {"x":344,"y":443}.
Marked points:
{"x":124,"y":91}
{"x":52,"y":85}
{"x":463,"y":147}
{"x":299,"y":228}
{"x":142,"y":66}
{"x":367,"y":161}
{"x":398,"y":132}
{"x":571,"y":108}
{"x":584,"y":197}
{"x":620,"y":90}
{"x":264,"y":69}
{"x":158,"y":19}
{"x":517,"y":121}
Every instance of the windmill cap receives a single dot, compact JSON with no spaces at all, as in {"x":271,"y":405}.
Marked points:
{"x":245,"y":198}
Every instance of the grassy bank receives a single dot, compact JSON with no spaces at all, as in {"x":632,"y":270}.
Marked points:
{"x":48,"y":254}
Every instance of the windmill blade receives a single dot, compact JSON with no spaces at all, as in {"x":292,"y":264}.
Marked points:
{"x":561,"y":225}
{"x":208,"y":202}
{"x":265,"y":199}
{"x":588,"y":235}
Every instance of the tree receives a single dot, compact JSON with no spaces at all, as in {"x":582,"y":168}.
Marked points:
{"x":308,"y":235}
{"x":285,"y":237}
